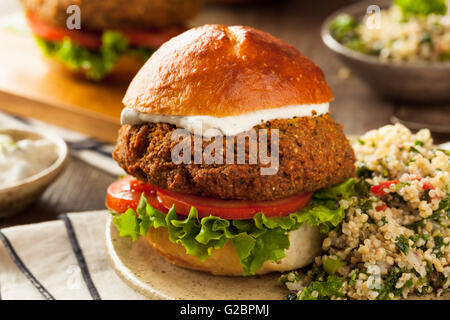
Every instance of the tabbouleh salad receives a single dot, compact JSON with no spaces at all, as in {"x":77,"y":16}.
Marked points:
{"x":394,"y":239}
{"x":410,"y":30}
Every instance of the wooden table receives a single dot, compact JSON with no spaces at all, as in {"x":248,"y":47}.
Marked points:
{"x":82,"y":187}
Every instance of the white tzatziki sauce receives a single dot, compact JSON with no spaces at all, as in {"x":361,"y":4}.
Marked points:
{"x":210,"y":126}
{"x":24,"y":158}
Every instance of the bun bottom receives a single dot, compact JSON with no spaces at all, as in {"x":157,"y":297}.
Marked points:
{"x":305,"y":245}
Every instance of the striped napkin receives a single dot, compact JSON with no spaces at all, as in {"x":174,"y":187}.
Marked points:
{"x":63,"y":259}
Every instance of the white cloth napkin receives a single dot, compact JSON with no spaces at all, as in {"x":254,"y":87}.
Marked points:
{"x":46,"y":252}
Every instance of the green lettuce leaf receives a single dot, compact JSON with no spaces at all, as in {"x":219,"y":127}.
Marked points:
{"x":95,"y":63}
{"x":422,"y":7}
{"x":255,"y":240}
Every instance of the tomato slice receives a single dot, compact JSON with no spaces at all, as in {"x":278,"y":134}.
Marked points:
{"x":90,"y":40}
{"x":231,"y":209}
{"x":152,"y":39}
{"x":378,"y":189}
{"x":125,"y":194}
{"x":93,"y":40}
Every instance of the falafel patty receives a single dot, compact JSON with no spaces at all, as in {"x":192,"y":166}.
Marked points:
{"x":101,"y":15}
{"x":313,"y":154}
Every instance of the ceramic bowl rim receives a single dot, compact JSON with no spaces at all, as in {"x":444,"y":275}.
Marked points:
{"x":62,"y":151}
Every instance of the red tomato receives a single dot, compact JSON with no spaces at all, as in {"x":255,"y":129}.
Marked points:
{"x":93,"y":40}
{"x":231,"y":209}
{"x":125,"y":193}
{"x":152,"y":39}
{"x":378,"y":189}
{"x":381,"y":207}
{"x":427,"y":186}
{"x":90,"y":40}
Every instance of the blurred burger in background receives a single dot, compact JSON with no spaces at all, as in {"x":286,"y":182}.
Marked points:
{"x":114,"y":36}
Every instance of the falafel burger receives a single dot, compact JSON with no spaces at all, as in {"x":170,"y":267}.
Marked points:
{"x":234,"y":164}
{"x":96,"y":38}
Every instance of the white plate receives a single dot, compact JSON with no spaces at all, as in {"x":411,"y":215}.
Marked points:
{"x":144,"y":270}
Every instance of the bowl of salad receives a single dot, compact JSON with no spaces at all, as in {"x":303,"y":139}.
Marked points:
{"x":401,"y":47}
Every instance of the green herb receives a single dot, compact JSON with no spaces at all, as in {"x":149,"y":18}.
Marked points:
{"x":416,"y":225}
{"x":444,"y":205}
{"x":425,"y":196}
{"x":362,"y":187}
{"x":292,"y":276}
{"x":402,"y":244}
{"x":361,"y":142}
{"x":352,"y":280}
{"x":408,"y":284}
{"x":418,"y":143}
{"x":412,"y":149}
{"x":321,"y":290}
{"x":447,"y":152}
{"x":364,"y":204}
{"x":342,"y":25}
{"x":416,"y":237}
{"x":331,"y":265}
{"x":384,"y":220}
{"x":400,"y":185}
{"x":422,"y":7}
{"x":438,"y":243}
{"x":363,"y":172}
{"x":343,"y":29}
{"x":389,"y":284}
{"x":386,"y":173}
{"x":429,"y":267}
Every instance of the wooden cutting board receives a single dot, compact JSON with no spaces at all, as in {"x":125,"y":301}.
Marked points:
{"x":33,"y":86}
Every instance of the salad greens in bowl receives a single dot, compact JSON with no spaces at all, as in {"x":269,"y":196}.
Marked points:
{"x":401,"y":48}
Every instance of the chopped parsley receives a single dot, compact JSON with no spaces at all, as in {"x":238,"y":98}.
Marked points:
{"x":331,"y":265}
{"x":321,"y":290}
{"x":402,"y":244}
{"x":413,"y":149}
{"x":425,"y":196}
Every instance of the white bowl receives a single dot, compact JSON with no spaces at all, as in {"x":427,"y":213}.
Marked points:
{"x":16,"y":196}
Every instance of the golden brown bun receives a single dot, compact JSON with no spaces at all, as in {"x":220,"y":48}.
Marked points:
{"x":305,"y":246}
{"x":223,"y":71}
